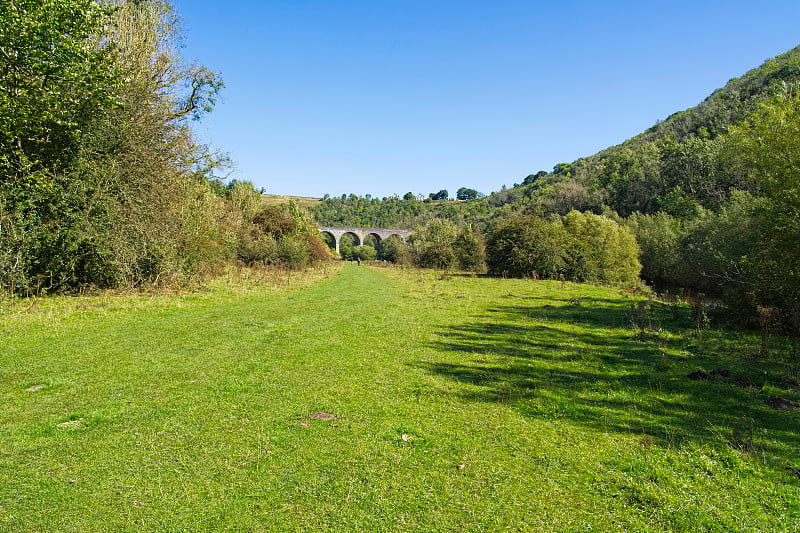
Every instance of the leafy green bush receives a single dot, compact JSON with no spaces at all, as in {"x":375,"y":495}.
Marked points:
{"x":585,"y":247}
{"x":608,"y":252}
{"x":395,"y":250}
{"x":365,"y":253}
{"x":470,"y":250}
{"x":432,"y":244}
{"x":659,"y":238}
{"x":528,"y":246}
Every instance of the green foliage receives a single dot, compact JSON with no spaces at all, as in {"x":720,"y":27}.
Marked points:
{"x":467,"y":194}
{"x":585,"y":247}
{"x":365,"y":253}
{"x":440,"y":244}
{"x":293,"y":253}
{"x":432,"y":244}
{"x":281,"y":236}
{"x":564,"y":169}
{"x":372,"y":240}
{"x":528,"y":247}
{"x":768,"y":262}
{"x":631,"y":179}
{"x":103,"y":182}
{"x":659,"y":238}
{"x":393,"y":249}
{"x":470,"y":250}
{"x":56,"y":71}
{"x":347,"y":243}
{"x":607,"y":251}
{"x":244,"y":197}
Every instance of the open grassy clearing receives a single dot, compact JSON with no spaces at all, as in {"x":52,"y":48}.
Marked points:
{"x":461,"y":404}
{"x":277,"y":199}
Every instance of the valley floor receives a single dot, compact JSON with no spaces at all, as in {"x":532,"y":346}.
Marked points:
{"x":439,"y":403}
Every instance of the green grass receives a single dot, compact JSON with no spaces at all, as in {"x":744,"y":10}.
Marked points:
{"x":463,"y":404}
{"x":276,"y":199}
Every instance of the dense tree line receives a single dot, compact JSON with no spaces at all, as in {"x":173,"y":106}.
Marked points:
{"x":102,"y":182}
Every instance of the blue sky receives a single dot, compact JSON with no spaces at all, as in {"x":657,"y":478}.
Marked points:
{"x":386,"y":97}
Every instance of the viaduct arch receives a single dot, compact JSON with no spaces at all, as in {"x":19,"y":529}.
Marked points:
{"x":362,"y":233}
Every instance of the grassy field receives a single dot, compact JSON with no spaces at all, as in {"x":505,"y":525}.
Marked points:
{"x":460,"y":403}
{"x":277,"y":199}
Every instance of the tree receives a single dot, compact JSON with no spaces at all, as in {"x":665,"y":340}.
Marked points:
{"x":441,"y":195}
{"x":244,"y":196}
{"x":466,"y":194}
{"x":408,"y":196}
{"x":607,"y":251}
{"x":564,"y":169}
{"x":395,"y":250}
{"x":470,"y":250}
{"x":768,"y":145}
{"x":533,"y":178}
{"x":347,"y":243}
{"x":55,"y":73}
{"x":433,"y":244}
{"x":364,"y":253}
{"x":99,"y":168}
{"x":528,"y":247}
{"x":659,"y":238}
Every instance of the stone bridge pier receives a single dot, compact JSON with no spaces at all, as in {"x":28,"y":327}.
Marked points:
{"x":362,"y":233}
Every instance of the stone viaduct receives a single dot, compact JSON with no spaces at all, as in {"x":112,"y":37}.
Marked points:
{"x":362,"y":233}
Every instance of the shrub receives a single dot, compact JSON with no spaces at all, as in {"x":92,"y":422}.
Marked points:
{"x":659,"y":239}
{"x":470,"y":250}
{"x":528,"y":247}
{"x":608,"y":252}
{"x":395,"y":250}
{"x":365,"y":253}
{"x":432,"y":244}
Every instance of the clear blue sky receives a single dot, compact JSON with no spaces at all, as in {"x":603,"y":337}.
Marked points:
{"x":386,"y":97}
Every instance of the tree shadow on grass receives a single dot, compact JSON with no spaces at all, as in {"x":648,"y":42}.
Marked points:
{"x":581,"y":364}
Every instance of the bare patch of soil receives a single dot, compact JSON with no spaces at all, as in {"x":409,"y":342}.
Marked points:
{"x":784,"y":404}
{"x":746,"y":385}
{"x":34,"y":388}
{"x":325,"y":417}
{"x":699,"y":374}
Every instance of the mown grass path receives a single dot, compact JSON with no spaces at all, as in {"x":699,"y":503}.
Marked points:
{"x":462,"y":404}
